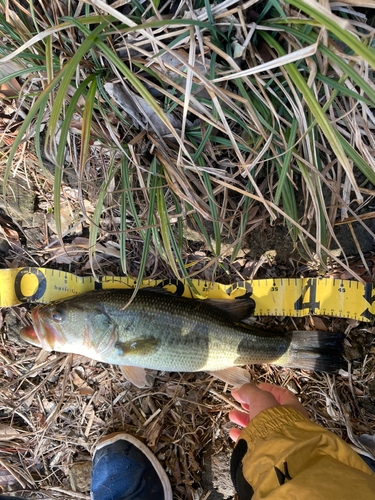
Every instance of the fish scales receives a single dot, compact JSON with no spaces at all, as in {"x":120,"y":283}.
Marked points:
{"x":193,"y":336}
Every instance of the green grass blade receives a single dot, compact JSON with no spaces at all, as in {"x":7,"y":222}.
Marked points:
{"x":317,"y":111}
{"x":68,"y":72}
{"x":342,"y":90}
{"x":335,"y":58}
{"x":86,"y":128}
{"x":200,"y":225}
{"x":37,"y":145}
{"x":59,"y":166}
{"x":286,"y":161}
{"x":165,"y":227}
{"x":203,"y":143}
{"x":182,"y":265}
{"x":31,"y":4}
{"x":244,"y":218}
{"x":40,"y":104}
{"x":137,"y":85}
{"x":213,"y":208}
{"x":23,"y":71}
{"x":153,"y":179}
{"x":129,"y":195}
{"x":350,"y":40}
{"x":49,"y":59}
{"x":180,"y":227}
{"x":124,"y":168}
{"x":94,"y":227}
{"x":357,"y":159}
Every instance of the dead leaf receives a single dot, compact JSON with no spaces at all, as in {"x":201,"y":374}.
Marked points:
{"x":80,"y":476}
{"x":140,"y":112}
{"x":48,"y":405}
{"x":6,"y":479}
{"x":176,"y":472}
{"x":318,"y":323}
{"x":174,"y":390}
{"x":12,"y":238}
{"x":81,"y":100}
{"x":331,"y":411}
{"x":369,"y":329}
{"x":112,"y":252}
{"x":193,"y":464}
{"x":6,"y":431}
{"x":12,"y":87}
{"x":67,"y":218}
{"x":153,"y":433}
{"x":238,"y":49}
{"x":81,"y":241}
{"x":67,"y":255}
{"x":95,"y":262}
{"x":347,"y":275}
{"x":81,"y":385}
{"x":368,"y":440}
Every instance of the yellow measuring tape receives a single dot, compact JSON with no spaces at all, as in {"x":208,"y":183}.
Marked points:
{"x":273,"y":297}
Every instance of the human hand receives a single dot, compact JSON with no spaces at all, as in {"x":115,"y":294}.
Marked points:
{"x":255,"y":399}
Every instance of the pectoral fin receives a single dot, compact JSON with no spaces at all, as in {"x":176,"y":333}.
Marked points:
{"x":232,"y":376}
{"x":138,"y":347}
{"x":135,"y":375}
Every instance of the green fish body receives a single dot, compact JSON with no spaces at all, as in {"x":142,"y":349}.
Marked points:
{"x":164,"y":332}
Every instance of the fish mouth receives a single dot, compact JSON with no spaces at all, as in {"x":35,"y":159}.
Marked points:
{"x":40,"y":334}
{"x":30,"y":333}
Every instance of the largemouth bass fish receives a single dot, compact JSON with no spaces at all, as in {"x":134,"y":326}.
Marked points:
{"x":161,"y":331}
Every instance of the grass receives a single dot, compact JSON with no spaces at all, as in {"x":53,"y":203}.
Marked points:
{"x":285,"y":124}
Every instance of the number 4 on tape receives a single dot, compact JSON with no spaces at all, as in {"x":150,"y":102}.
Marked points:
{"x":309,"y":292}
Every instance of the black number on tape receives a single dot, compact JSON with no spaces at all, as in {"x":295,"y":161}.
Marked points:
{"x":177,"y":283}
{"x":241,"y":284}
{"x":312,"y":304}
{"x":42,"y":285}
{"x":368,"y":298}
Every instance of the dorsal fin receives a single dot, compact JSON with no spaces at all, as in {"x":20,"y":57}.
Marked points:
{"x":237,"y":309}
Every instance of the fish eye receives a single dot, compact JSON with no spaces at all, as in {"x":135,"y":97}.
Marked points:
{"x":57,"y":315}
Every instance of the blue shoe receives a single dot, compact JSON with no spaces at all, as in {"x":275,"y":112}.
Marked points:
{"x":123,"y":468}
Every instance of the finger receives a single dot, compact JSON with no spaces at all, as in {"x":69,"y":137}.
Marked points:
{"x":285,"y":397}
{"x":235,"y":434}
{"x":256,"y":399}
{"x":281,"y":394}
{"x":239,"y":417}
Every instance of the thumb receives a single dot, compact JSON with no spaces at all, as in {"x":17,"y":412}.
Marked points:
{"x":253,"y":399}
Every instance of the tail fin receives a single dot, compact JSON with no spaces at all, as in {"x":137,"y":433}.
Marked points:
{"x":315,"y":350}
